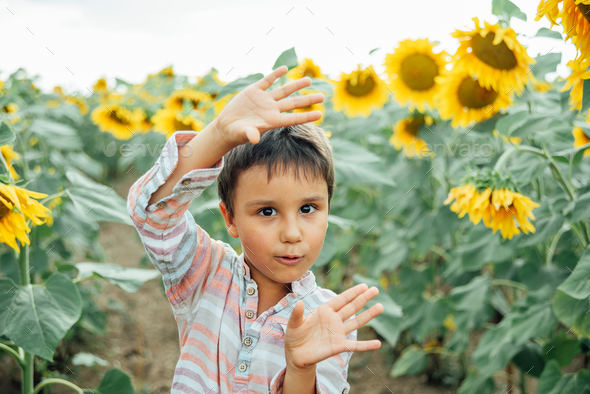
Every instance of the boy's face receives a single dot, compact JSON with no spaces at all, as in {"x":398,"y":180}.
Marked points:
{"x":283,"y":217}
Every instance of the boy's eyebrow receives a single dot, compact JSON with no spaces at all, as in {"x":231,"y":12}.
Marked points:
{"x":314,"y":197}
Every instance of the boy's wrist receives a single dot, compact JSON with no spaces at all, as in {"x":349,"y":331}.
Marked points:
{"x":219,"y":136}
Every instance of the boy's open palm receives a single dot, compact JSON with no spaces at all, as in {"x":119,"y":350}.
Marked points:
{"x":322,"y":333}
{"x":255,"y":109}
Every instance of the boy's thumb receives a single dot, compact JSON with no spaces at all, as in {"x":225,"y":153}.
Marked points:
{"x":296,"y":317}
{"x":252,"y":134}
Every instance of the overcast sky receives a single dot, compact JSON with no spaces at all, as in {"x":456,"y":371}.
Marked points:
{"x":72,"y":43}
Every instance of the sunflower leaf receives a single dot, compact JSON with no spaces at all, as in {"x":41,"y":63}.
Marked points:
{"x":507,"y":9}
{"x":545,"y":32}
{"x":576,"y":285}
{"x":545,"y":64}
{"x":585,"y":97}
{"x":6,"y":133}
{"x":37,"y":317}
{"x":287,"y":58}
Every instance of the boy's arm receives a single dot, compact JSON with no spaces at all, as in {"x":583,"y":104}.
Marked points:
{"x":181,"y":250}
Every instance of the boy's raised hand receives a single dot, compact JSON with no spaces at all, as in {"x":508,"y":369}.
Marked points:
{"x":322,"y":333}
{"x":256,"y":110}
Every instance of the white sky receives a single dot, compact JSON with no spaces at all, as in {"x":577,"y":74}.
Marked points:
{"x":72,"y":43}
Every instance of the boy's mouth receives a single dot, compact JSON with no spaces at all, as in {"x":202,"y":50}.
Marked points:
{"x":289,"y":259}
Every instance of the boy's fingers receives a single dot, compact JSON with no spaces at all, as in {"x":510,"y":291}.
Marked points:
{"x":265,"y":82}
{"x":252,"y":134}
{"x":290,"y":88}
{"x":363,"y":318}
{"x":358,"y":303}
{"x":291,"y":119}
{"x":346,"y":296}
{"x":363,"y":346}
{"x":305,"y":100}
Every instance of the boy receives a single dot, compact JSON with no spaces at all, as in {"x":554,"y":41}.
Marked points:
{"x":254,"y":323}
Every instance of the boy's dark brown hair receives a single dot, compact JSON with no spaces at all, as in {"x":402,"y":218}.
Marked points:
{"x":300,"y":146}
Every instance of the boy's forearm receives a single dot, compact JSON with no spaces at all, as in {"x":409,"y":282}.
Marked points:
{"x":300,"y":382}
{"x":203,"y":151}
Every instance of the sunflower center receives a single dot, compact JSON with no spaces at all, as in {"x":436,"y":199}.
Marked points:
{"x":418,"y":71}
{"x":309,"y":73}
{"x":115,"y":116}
{"x":413,"y":126}
{"x":183,"y":124}
{"x":4,"y":210}
{"x":497,"y":56}
{"x":362,"y":87}
{"x":585,"y":10}
{"x":472,"y":95}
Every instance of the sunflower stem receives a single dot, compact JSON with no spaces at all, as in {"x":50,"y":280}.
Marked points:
{"x":57,"y":381}
{"x":25,"y":280}
{"x":554,"y":242}
{"x":506,"y":282}
{"x":560,"y":177}
{"x":15,"y":354}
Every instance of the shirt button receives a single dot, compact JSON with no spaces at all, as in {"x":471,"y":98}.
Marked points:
{"x":243,"y":270}
{"x":247,"y":341}
{"x":161,"y":205}
{"x":249,"y":314}
{"x":345,"y":391}
{"x":250,"y":290}
{"x":186,"y":182}
{"x":242,"y":367}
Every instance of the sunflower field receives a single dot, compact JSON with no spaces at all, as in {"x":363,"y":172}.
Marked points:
{"x":462,"y":192}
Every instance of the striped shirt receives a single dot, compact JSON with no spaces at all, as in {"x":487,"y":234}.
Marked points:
{"x":224,"y":346}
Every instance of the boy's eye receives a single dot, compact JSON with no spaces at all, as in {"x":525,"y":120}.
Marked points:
{"x":267,"y":211}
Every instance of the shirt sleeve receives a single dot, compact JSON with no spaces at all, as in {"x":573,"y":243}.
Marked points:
{"x":180,"y":249}
{"x":331,"y":374}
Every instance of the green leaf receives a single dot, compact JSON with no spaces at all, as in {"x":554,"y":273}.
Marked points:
{"x":572,"y":313}
{"x":476,"y":384}
{"x":287,"y":58}
{"x":585,"y":97}
{"x":115,"y":381}
{"x":545,"y":32}
{"x":56,"y":134}
{"x":373,"y":50}
{"x":89,"y":360}
{"x":412,"y":361}
{"x":576,"y":285}
{"x":37,"y":317}
{"x":128,"y":279}
{"x":6,"y":133}
{"x":578,"y":384}
{"x":549,"y":378}
{"x":95,"y":201}
{"x":239,"y":85}
{"x":562,"y":348}
{"x":357,"y":165}
{"x":387,"y":323}
{"x":507,"y":9}
{"x":471,"y":302}
{"x":530,"y":359}
{"x":581,"y":209}
{"x":545,"y":64}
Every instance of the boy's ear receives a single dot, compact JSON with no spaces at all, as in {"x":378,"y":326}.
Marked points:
{"x":229,"y":221}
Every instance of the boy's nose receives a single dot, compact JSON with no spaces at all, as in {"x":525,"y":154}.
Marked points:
{"x":291,"y":231}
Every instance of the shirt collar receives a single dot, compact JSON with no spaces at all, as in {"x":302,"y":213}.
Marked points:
{"x":301,"y":287}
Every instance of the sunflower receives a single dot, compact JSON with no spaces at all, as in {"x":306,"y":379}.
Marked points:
{"x":464,"y":99}
{"x":575,"y":81}
{"x":405,"y":134}
{"x":306,"y":68}
{"x":9,"y":155}
{"x":494,"y":56}
{"x":219,"y":105}
{"x":11,"y":109}
{"x":117,"y":120}
{"x":17,"y":205}
{"x":580,"y":138}
{"x":575,"y":19}
{"x":143,"y":123}
{"x":199,"y":100}
{"x":167,"y":121}
{"x":359,"y":92}
{"x":411,"y":69}
{"x":313,"y":107}
{"x":100,"y":86}
{"x":80,"y":102}
{"x":500,"y":209}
